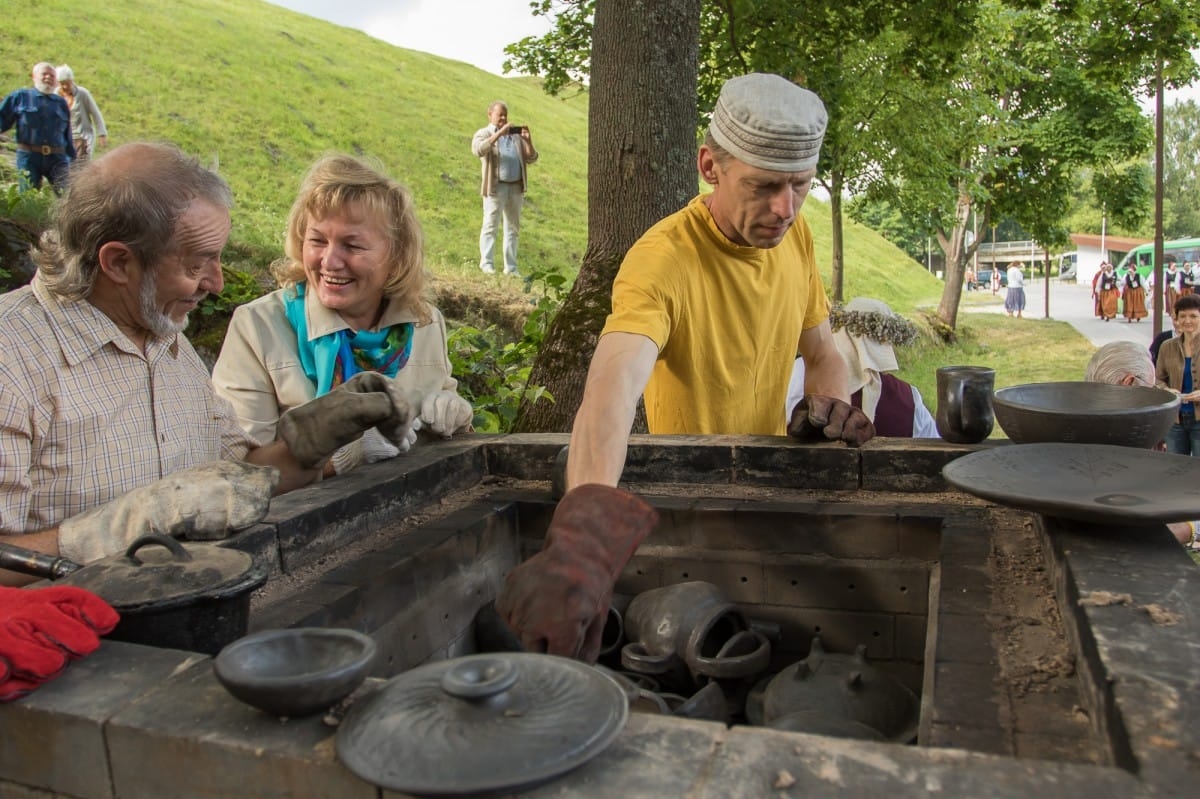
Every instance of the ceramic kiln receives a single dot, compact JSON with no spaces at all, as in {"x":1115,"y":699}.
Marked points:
{"x":1051,"y":659}
{"x":859,"y":567}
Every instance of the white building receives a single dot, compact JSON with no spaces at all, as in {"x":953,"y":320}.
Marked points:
{"x":1092,"y":250}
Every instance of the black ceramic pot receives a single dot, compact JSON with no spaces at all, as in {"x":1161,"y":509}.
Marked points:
{"x":691,"y":626}
{"x":194,"y":597}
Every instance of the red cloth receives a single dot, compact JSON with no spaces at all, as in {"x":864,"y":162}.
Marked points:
{"x":43,"y":629}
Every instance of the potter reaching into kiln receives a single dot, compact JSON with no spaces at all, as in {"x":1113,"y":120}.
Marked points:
{"x":109,"y":426}
{"x":709,"y":310}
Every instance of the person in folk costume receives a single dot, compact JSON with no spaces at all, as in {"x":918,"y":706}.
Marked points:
{"x":1188,"y":279}
{"x":1133,"y":292}
{"x":1105,"y":292}
{"x":1170,"y":286}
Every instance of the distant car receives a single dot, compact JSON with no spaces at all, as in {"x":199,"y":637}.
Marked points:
{"x":983,"y":279}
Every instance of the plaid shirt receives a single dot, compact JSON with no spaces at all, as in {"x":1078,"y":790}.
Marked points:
{"x":85,"y":416}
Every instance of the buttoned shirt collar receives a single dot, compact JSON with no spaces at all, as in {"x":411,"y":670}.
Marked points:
{"x":81,"y":329}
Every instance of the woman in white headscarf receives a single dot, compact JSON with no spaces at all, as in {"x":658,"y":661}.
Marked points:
{"x":864,"y":332}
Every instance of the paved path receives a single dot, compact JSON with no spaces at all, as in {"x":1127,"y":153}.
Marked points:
{"x":1072,"y":303}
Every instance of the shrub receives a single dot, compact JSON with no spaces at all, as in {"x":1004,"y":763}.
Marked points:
{"x":493,"y":374}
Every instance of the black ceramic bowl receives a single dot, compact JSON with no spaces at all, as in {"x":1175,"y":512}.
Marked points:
{"x":295,"y":672}
{"x":1085,"y":413}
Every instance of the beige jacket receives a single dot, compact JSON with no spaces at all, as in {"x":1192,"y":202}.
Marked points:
{"x":259,"y":368}
{"x":489,"y":156}
{"x":1168,"y":369}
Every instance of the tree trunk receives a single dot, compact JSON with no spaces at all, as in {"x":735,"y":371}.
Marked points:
{"x":839,"y":261}
{"x":641,"y":167}
{"x":954,"y":245}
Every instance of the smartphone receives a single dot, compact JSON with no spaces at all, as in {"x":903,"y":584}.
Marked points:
{"x":515,"y":130}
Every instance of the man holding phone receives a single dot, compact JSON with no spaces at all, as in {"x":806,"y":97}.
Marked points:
{"x":504,"y":151}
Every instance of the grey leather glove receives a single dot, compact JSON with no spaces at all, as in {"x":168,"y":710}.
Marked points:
{"x":318,"y":428}
{"x":204,"y":502}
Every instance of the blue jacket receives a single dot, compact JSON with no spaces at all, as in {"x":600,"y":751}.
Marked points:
{"x":41,"y":119}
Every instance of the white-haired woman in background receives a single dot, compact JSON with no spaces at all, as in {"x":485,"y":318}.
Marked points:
{"x":1126,"y":363}
{"x":1121,"y":363}
{"x":87,"y":123}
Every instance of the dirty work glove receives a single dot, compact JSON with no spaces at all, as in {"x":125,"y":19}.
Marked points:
{"x":557,"y":601}
{"x":372,"y":448}
{"x":445,"y":413}
{"x":42,"y":629}
{"x":817,"y":418}
{"x":204,"y":502}
{"x":315,"y":430}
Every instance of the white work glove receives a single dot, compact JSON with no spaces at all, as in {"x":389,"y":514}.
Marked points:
{"x":204,"y":502}
{"x":318,"y":428}
{"x":372,"y":448}
{"x":445,"y":413}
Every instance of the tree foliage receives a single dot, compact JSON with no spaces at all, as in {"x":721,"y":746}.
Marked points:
{"x":954,"y":117}
{"x":1038,"y":98}
{"x":1181,"y":170}
{"x":562,"y":57}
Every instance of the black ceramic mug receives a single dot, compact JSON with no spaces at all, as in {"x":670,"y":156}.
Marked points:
{"x":964,"y":403}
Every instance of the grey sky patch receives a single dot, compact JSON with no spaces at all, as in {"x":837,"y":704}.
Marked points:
{"x":474,"y":31}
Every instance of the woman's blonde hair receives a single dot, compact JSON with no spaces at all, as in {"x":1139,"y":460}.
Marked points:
{"x":337,"y":183}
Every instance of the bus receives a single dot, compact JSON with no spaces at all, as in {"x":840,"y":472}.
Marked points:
{"x":1180,"y":251}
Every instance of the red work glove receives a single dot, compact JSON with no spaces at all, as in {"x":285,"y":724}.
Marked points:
{"x":42,"y":629}
{"x":817,"y":418}
{"x":557,"y":601}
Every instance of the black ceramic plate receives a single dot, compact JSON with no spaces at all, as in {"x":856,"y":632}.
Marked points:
{"x":1098,"y":483}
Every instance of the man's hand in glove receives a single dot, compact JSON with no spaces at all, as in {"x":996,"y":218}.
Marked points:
{"x":42,"y":629}
{"x":817,"y":418}
{"x":315,"y":430}
{"x":445,"y":413}
{"x":557,"y":601}
{"x":204,"y":502}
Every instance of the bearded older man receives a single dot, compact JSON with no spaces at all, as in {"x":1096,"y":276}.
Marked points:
{"x":109,"y":424}
{"x":45,"y":147}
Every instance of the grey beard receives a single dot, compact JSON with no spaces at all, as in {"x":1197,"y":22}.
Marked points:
{"x":157,"y":322}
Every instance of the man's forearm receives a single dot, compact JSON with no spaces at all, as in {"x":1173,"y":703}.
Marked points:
{"x":620,"y":368}
{"x":599,"y":444}
{"x":826,"y":377}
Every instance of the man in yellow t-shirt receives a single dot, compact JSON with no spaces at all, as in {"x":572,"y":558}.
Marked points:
{"x":710,"y":308}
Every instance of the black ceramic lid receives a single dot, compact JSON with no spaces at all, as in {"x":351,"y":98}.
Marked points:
{"x":1103,"y":484}
{"x":482,"y":723}
{"x":158,"y":572}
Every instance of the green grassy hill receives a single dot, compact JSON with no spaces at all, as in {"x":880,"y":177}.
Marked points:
{"x":260,"y":92}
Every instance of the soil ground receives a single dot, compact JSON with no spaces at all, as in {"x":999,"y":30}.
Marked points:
{"x":1040,"y":700}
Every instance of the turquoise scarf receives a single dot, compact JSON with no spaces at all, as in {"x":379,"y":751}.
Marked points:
{"x":332,"y":359}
